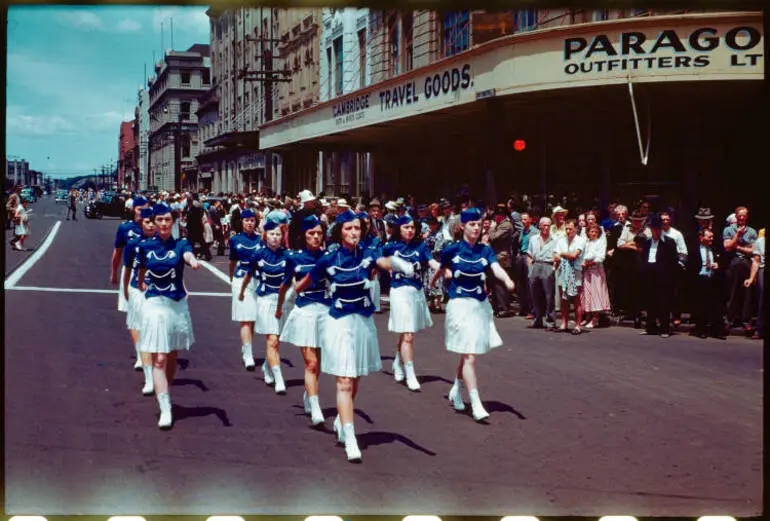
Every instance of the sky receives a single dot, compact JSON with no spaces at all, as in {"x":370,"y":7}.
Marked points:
{"x":73,"y":75}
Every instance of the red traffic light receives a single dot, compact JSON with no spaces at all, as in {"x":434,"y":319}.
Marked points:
{"x":519,"y":145}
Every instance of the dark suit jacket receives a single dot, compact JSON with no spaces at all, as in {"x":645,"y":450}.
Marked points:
{"x":665,"y":260}
{"x":695,"y":263}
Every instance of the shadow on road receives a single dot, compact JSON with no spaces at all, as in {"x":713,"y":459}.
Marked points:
{"x":383,"y":358}
{"x":182,"y":363}
{"x":379,"y":438}
{"x":182,"y":413}
{"x":284,"y":361}
{"x":189,"y":381}
{"x":494,"y":406}
{"x":331,"y":412}
{"x":427,"y":379}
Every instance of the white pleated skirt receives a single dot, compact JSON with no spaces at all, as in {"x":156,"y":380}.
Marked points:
{"x":122,"y":302}
{"x":350,"y":346}
{"x":375,"y":292}
{"x":136,"y":302}
{"x":166,"y":326}
{"x":245,"y":310}
{"x":470,"y":327}
{"x":304,"y":325}
{"x":266,"y":323}
{"x":408,"y":310}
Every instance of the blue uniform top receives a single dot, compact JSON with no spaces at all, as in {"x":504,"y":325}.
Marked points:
{"x":348,"y":274}
{"x":243,"y":250}
{"x":127,"y":230}
{"x":468,"y":265}
{"x":300,"y":263}
{"x":373,"y":242}
{"x":164,"y":262}
{"x":270,"y":266}
{"x":416,"y":253}
{"x":131,"y":259}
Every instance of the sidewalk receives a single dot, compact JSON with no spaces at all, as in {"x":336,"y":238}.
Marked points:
{"x":45,"y":213}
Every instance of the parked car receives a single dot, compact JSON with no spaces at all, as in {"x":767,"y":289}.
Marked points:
{"x":29,"y":195}
{"x":107,"y":205}
{"x":61,"y":196}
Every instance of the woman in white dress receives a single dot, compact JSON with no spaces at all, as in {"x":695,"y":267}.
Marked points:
{"x":304,"y":324}
{"x":409,"y":311}
{"x":595,"y":297}
{"x":166,"y":325}
{"x":469,"y":325}
{"x":349,"y":338}
{"x":20,"y":231}
{"x":243,"y":249}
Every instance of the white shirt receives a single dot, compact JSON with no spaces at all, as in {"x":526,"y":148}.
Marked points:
{"x":578,"y":243}
{"x":759,"y":249}
{"x":596,"y":250}
{"x":653,"y":251}
{"x":681,"y":246}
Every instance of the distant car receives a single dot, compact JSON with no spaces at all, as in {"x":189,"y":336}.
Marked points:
{"x":109,"y":206}
{"x":61,"y":196}
{"x":29,"y":195}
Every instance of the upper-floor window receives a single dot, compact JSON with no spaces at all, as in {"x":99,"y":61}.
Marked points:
{"x":407,"y":22}
{"x":185,"y":77}
{"x":456,"y":33}
{"x":338,"y":66}
{"x":526,"y":20}
{"x":362,"y":58}
{"x":206,"y":75}
{"x":184,"y":109}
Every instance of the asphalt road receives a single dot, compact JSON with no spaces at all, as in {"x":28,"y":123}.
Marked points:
{"x":608,"y":422}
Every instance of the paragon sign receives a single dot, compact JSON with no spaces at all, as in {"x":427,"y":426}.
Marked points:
{"x":634,"y":50}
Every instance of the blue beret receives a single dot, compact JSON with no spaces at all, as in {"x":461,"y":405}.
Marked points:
{"x":390,"y":219}
{"x":470,"y":214}
{"x":310,"y":222}
{"x":146,"y":213}
{"x":278,"y":216}
{"x":346,"y":217}
{"x":271,"y":225}
{"x":160,"y":209}
{"x":362,"y":215}
{"x":248,"y":213}
{"x":404,"y":219}
{"x":140,"y":201}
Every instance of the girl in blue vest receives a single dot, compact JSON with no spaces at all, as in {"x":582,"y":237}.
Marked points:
{"x":370,"y":239}
{"x":243,"y":250}
{"x":408,"y":307}
{"x":469,"y":326}
{"x":166,"y":326}
{"x":349,"y":337}
{"x":270,"y":265}
{"x":135,"y":297}
{"x":304,"y":324}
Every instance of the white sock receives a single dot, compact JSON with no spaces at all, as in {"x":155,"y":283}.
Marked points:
{"x":147,"y":373}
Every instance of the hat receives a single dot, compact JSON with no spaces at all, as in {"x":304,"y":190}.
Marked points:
{"x":325,"y":203}
{"x":374,"y":202}
{"x":306,"y":196}
{"x":559,"y":209}
{"x":390,"y":219}
{"x":445,"y":204}
{"x":310,"y":222}
{"x":146,"y":213}
{"x":342,"y":203}
{"x":345,"y":217}
{"x":362,"y":215}
{"x":278,"y":216}
{"x":704,"y":213}
{"x":140,"y":201}
{"x":404,"y":219}
{"x":270,"y":225}
{"x":637,"y":216}
{"x":470,"y":214}
{"x":160,"y":209}
{"x":391,"y":205}
{"x":248,"y":213}
{"x":655,"y":222}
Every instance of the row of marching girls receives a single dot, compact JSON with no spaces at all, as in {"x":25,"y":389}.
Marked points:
{"x":153,"y":294}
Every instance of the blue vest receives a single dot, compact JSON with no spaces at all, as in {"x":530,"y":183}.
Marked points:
{"x":270,"y":267}
{"x":348,"y":275}
{"x":164,"y":262}
{"x":127,"y":230}
{"x":469,"y":266}
{"x":300,"y":263}
{"x":243,"y":250}
{"x":416,"y":253}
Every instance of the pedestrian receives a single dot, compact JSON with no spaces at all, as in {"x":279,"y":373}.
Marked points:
{"x":349,"y":337}
{"x":758,"y":275}
{"x":469,"y":325}
{"x":659,"y":269}
{"x":435,"y":243}
{"x":305,"y":321}
{"x":541,"y":255}
{"x":739,"y":241}
{"x":72,"y":205}
{"x":243,"y":250}
{"x":409,"y":311}
{"x":135,"y":297}
{"x":20,"y":219}
{"x":595,"y":296}
{"x":569,"y":280}
{"x":704,"y":266}
{"x":166,"y":326}
{"x":126,"y":230}
{"x":269,"y":265}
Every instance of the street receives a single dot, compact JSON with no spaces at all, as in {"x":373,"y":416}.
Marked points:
{"x":609,"y":422}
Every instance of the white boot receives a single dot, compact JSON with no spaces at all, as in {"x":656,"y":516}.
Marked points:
{"x":164,"y":401}
{"x":138,"y":363}
{"x":149,"y":386}
{"x":268,"y":373}
{"x":456,"y":395}
{"x":338,"y":430}
{"x":479,"y":413}
{"x":411,"y":378}
{"x":248,"y":357}
{"x":280,"y":386}
{"x":398,"y":371}
{"x":316,"y":414}
{"x":351,"y":444}
{"x":306,"y":403}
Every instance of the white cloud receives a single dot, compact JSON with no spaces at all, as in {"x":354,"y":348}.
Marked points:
{"x":83,"y":19}
{"x":27,"y":125}
{"x":128,"y":26}
{"x":186,"y":19}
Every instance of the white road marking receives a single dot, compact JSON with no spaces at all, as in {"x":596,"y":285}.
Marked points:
{"x":221,"y":275}
{"x":11,"y":281}
{"x":107,"y":291}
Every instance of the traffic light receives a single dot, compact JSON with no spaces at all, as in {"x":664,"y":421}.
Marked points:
{"x":519,"y":145}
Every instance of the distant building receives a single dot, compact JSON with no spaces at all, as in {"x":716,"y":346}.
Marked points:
{"x":142,"y":133}
{"x":127,"y":160}
{"x":182,"y":78}
{"x":16,"y":172}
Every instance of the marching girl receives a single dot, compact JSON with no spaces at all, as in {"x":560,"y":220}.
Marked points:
{"x":135,"y":297}
{"x":470,"y":329}
{"x":371,"y":239}
{"x":349,"y":337}
{"x":408,"y":307}
{"x":126,"y":230}
{"x":270,"y":264}
{"x":166,"y":326}
{"x":243,"y":248}
{"x":303,"y":325}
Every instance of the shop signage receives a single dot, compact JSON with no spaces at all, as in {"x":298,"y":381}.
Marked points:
{"x":669,"y":49}
{"x":251,"y":161}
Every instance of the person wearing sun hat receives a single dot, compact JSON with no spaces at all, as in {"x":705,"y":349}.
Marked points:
{"x":349,"y":339}
{"x":469,"y":325}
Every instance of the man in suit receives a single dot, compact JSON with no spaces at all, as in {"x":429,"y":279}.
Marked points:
{"x":659,"y":265}
{"x":501,"y":235}
{"x":375,"y":214}
{"x":703,"y":268}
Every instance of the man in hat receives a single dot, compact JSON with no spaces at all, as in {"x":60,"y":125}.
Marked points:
{"x":501,"y":241}
{"x":375,"y":214}
{"x":659,"y":269}
{"x":308,"y":202}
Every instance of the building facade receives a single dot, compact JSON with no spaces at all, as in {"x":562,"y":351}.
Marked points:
{"x":127,"y":160}
{"x":182,"y":78}
{"x":142,"y":137}
{"x":17,"y":172}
